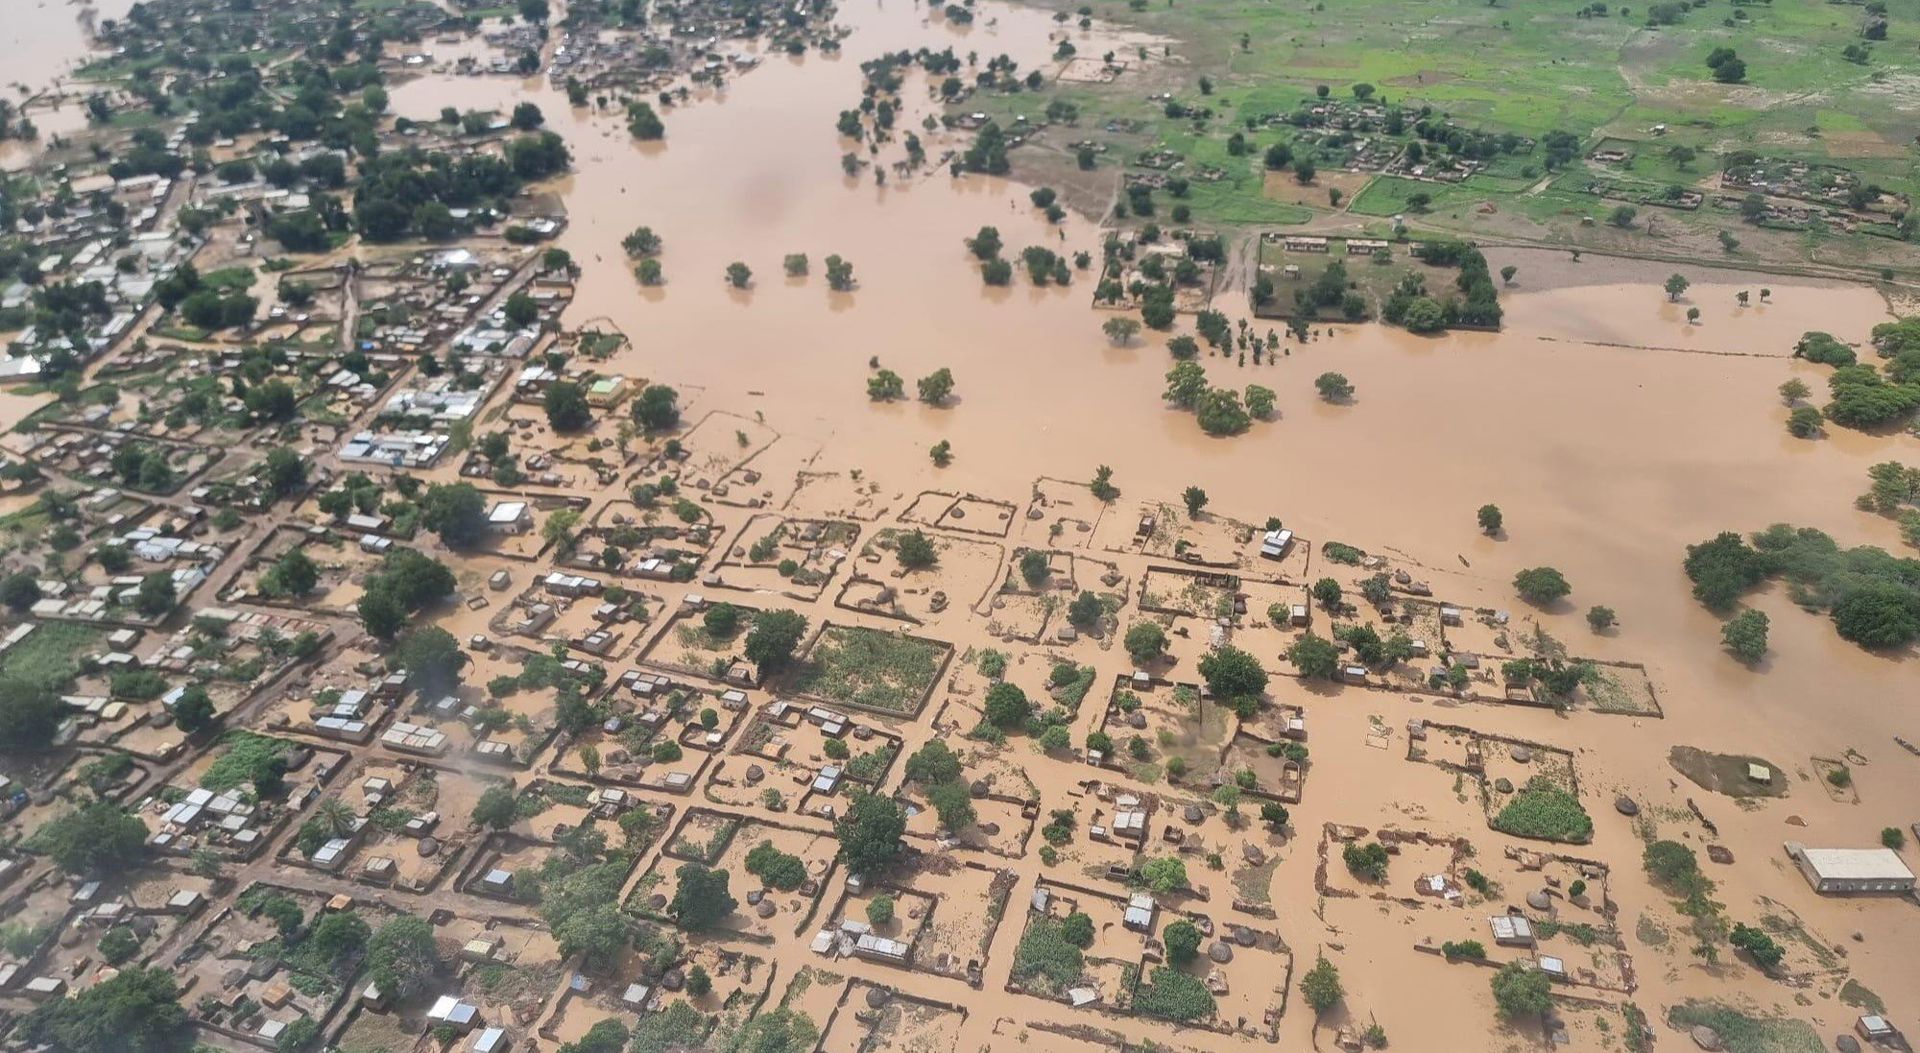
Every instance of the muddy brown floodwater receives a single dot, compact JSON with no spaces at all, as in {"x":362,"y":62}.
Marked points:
{"x":1608,"y":427}
{"x":1610,"y":430}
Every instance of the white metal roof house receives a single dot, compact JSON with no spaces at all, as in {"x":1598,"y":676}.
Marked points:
{"x":1841,"y":870}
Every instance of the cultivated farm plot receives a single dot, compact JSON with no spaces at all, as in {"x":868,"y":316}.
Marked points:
{"x":1180,"y":592}
{"x":889,"y":673}
{"x":1620,"y":687}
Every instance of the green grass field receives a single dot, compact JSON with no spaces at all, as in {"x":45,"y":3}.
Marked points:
{"x":50,"y":657}
{"x":1503,"y":68}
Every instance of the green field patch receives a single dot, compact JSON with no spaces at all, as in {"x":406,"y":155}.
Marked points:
{"x":50,"y":655}
{"x":870,"y":668}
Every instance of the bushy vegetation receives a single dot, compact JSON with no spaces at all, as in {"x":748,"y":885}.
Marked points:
{"x":777,"y":869}
{"x":1173,"y":995}
{"x":1367,"y":862}
{"x":1872,"y":596}
{"x":1547,"y":811}
{"x":1046,"y":959}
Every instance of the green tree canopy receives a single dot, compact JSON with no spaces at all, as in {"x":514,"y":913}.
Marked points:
{"x":700,"y":897}
{"x":134,"y":1011}
{"x":772,"y":640}
{"x":870,"y":833}
{"x":98,"y":838}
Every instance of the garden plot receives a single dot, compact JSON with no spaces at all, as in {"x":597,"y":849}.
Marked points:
{"x":1236,"y":983}
{"x":962,"y":574}
{"x":1620,"y":687}
{"x":872,"y":1019}
{"x":888,"y":673}
{"x":788,"y":890}
{"x":837,"y":495}
{"x":1060,"y":515}
{"x":815,"y":992}
{"x":688,"y":644}
{"x":1397,"y":865}
{"x":794,"y":557}
{"x":1167,"y":731}
{"x":1195,"y":594}
{"x":1058,"y":954}
{"x":1527,"y":789}
{"x":518,"y":972}
{"x":258,"y":964}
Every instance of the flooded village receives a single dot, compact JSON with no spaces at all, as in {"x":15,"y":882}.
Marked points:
{"x":602,"y":525}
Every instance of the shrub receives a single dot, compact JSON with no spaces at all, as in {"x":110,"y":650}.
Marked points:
{"x":776,"y":868}
{"x":1173,"y":995}
{"x":1546,"y":811}
{"x":1182,"y":940}
{"x":1367,"y":862}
